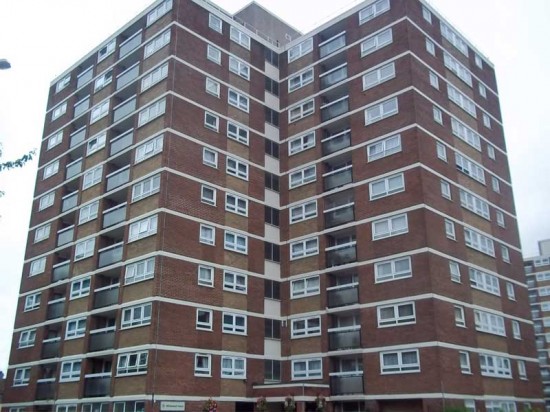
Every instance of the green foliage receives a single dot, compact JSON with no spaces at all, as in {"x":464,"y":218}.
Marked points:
{"x":17,"y":162}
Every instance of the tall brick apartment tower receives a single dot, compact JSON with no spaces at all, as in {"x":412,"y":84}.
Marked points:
{"x":228,"y":213}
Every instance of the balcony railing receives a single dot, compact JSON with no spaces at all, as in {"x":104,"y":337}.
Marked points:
{"x":77,"y":137}
{"x":346,"y":384}
{"x":118,"y":178}
{"x":106,"y":296}
{"x":339,"y":215}
{"x":343,"y":295}
{"x":56,"y":308}
{"x":101,"y":339}
{"x":124,"y":109}
{"x":348,"y":338}
{"x":60,"y":271}
{"x":65,"y":236}
{"x":128,"y":76}
{"x":73,"y":169}
{"x":110,"y":255}
{"x":338,"y":177}
{"x":130,"y":44}
{"x":45,"y":389}
{"x":69,"y":201}
{"x":332,"y":45}
{"x":335,"y":108}
{"x":336,"y":142}
{"x":97,"y":384}
{"x":85,"y":77}
{"x":114,"y":215}
{"x":122,"y":142}
{"x":50,"y":348}
{"x":333,"y":76}
{"x":81,"y":106}
{"x":341,"y":254}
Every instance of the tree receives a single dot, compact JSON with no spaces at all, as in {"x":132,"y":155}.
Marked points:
{"x":13,"y":164}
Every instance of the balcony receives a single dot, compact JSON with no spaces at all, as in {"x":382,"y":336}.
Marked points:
{"x":341,"y":254}
{"x":77,"y":137}
{"x":343,"y":295}
{"x":69,"y":201}
{"x":130,"y":44}
{"x":339,"y":177}
{"x":56,"y":308}
{"x":114,"y":215}
{"x":45,"y":389}
{"x":334,"y":76}
{"x":335,"y":108}
{"x":73,"y":169}
{"x":332,"y":45}
{"x":339,"y":215}
{"x":122,"y":142}
{"x":124,"y":109}
{"x":344,"y":338}
{"x":106,"y":296}
{"x":60,"y":271}
{"x":97,"y":384}
{"x":118,"y":178}
{"x":128,"y":76}
{"x":343,"y":384}
{"x":65,"y":236}
{"x":111,"y":254}
{"x":336,"y":142}
{"x":50,"y":348}
{"x":84,"y":77}
{"x":81,"y":106}
{"x":102,"y":339}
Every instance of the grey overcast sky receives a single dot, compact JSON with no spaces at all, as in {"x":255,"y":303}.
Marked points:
{"x":42,"y":39}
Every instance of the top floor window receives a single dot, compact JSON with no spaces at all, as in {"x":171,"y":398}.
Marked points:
{"x":373,"y":10}
{"x":240,"y":37}
{"x":301,"y":49}
{"x":159,"y":11}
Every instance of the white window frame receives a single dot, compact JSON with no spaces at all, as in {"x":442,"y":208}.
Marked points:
{"x":99,"y":111}
{"x":214,"y":54}
{"x":495,"y":184}
{"x":70,"y":371}
{"x":210,"y":157}
{"x":103,"y":80}
{"x":474,"y":204}
{"x":454,"y":38}
{"x":37,"y":266}
{"x":32,"y":302}
{"x":304,"y":287}
{"x":305,"y":327}
{"x":235,"y":242}
{"x":207,"y":235}
{"x":482,"y":90}
{"x":445,"y":189}
{"x":239,"y":37}
{"x":302,"y":177}
{"x":134,"y":363}
{"x":457,"y":68}
{"x":59,"y":111}
{"x":395,"y":318}
{"x":156,"y":44}
{"x":215,"y":23}
{"x":55,"y":139}
{"x":152,"y":112}
{"x":42,"y":233}
{"x":381,"y":111}
{"x":304,"y":248}
{"x":437,"y":114}
{"x":238,"y":100}
{"x":478,"y":61}
{"x":96,"y":143}
{"x":203,"y":365}
{"x":142,"y":228}
{"x":303,"y":211}
{"x":301,"y":110}
{"x":80,"y":287}
{"x":237,"y":168}
{"x":92,"y":177}
{"x":300,"y":80}
{"x":88,"y":212}
{"x":205,"y":276}
{"x":27,"y":338}
{"x":211,"y":121}
{"x":427,"y":14}
{"x":75,"y":328}
{"x":434,"y":80}
{"x":149,"y":149}
{"x":139,"y":271}
{"x":46,"y":201}
{"x":84,"y":249}
{"x":441,"y":151}
{"x":376,"y":42}
{"x":158,"y":12}
{"x":236,"y":204}
{"x":505,"y":253}
{"x":430,"y":47}
{"x":50,"y":169}
{"x":495,"y":366}
{"x":208,"y":195}
{"x":301,"y":143}
{"x":454,"y":270}
{"x":212,"y":87}
{"x":145,"y":188}
{"x":479,"y":242}
{"x":235,"y":281}
{"x":204,"y":319}
{"x":22,"y":376}
{"x":239,"y":67}
{"x":486,"y":120}
{"x":393,"y":269}
{"x":387,"y":189}
{"x":301,"y":49}
{"x":234,"y":323}
{"x":400,"y":366}
{"x":450,"y":229}
{"x":373,"y":10}
{"x":489,"y":323}
{"x":136,"y":316}
{"x":470,"y":168}
{"x":377,"y":76}
{"x":390,"y":222}
{"x":510,"y":291}
{"x":461,"y":100}
{"x":384,"y":148}
{"x":233,"y":367}
{"x":464,"y":359}
{"x":64,"y":82}
{"x":237,"y":132}
{"x":153,"y":77}
{"x":516,"y":330}
{"x":491,"y":152}
{"x":466,"y":134}
{"x":484,"y":281}
{"x":306,"y":369}
{"x":460,"y":317}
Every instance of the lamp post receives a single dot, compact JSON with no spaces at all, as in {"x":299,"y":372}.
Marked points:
{"x":4,"y":64}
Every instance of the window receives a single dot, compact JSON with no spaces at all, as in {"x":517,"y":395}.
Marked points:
{"x":393,"y":269}
{"x":304,"y":248}
{"x":438,"y":115}
{"x":458,"y":69}
{"x":37,"y":266}
{"x":59,"y":111}
{"x":454,"y":39}
{"x":271,"y":216}
{"x":489,"y":322}
{"x":138,"y":315}
{"x":505,"y":253}
{"x":233,"y":367}
{"x":466,"y":134}
{"x":427,"y":14}
{"x":301,"y":110}
{"x":76,"y":328}
{"x":387,"y":186}
{"x":302,"y":177}
{"x":522,"y":370}
{"x":203,"y":363}
{"x":486,"y":120}
{"x":132,"y":363}
{"x":450,"y":229}
{"x":207,"y":235}
{"x":307,"y":369}
{"x":140,"y":270}
{"x":88,"y":212}
{"x":46,"y":201}
{"x":272,"y":329}
{"x":373,"y":10}
{"x":239,"y":37}
{"x":22,"y":376}
{"x":214,"y":54}
{"x":152,"y":112}
{"x":441,"y":151}
{"x":238,"y":100}
{"x":272,"y":252}
{"x":212,"y":87}
{"x":510,"y":291}
{"x":64,"y":82}
{"x":454,"y":269}
{"x":84,"y":249}
{"x":154,"y":77}
{"x":482,"y":90}
{"x":465,"y":362}
{"x":234,"y":323}
{"x":434,"y":80}
{"x":215,"y":23}
{"x":306,"y":327}
{"x":392,"y":315}
{"x":92,"y":177}
{"x":156,"y":44}
{"x":479,"y":62}
{"x":55,"y":139}
{"x":41,"y":233}
{"x":271,"y":181}
{"x":239,"y":67}
{"x":377,"y":76}
{"x":142,"y":228}
{"x":491,"y":152}
{"x":272,"y":289}
{"x":96,"y":143}
{"x":208,"y":195}
{"x":516,"y":330}
{"x":27,"y":338}
{"x":376,"y":42}
{"x":149,"y":148}
{"x":479,"y":242}
{"x":70,"y":371}
{"x":430,"y":47}
{"x":381,"y":111}
{"x":237,"y":168}
{"x":145,"y":188}
{"x":383,"y":148}
{"x":158,"y":12}
{"x":300,"y":50}
{"x":484,"y":281}
{"x":50,"y":170}
{"x":460,"y":319}
{"x":461,"y":100}
{"x":80,"y":288}
{"x":495,"y":184}
{"x":495,"y":366}
{"x":470,"y":168}
{"x":300,"y":80}
{"x":210,"y":157}
{"x":211,"y":121}
{"x":99,"y":111}
{"x":238,"y":133}
{"x":474,"y":204}
{"x":204,"y":319}
{"x":406,"y":361}
{"x":205,"y":275}
{"x":445,"y":189}
{"x":392,"y":226}
{"x":103,"y":80}
{"x":304,"y":287}
{"x":235,"y":242}
{"x":301,"y":143}
{"x":236,"y":204}
{"x":32,"y":302}
{"x":235,"y":282}
{"x":304,"y":211}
